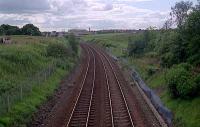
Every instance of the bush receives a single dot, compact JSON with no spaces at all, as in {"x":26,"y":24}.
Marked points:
{"x":136,"y":47}
{"x":197,"y":82}
{"x":57,"y":50}
{"x":73,"y":43}
{"x":5,"y":86}
{"x":167,"y":59}
{"x":151,"y":70}
{"x":180,"y":81}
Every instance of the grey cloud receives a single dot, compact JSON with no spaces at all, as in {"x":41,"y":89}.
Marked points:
{"x":68,"y":7}
{"x":13,"y":21}
{"x":65,"y":14}
{"x":23,"y":6}
{"x":108,"y":7}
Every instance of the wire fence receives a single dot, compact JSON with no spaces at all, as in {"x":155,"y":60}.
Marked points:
{"x":16,"y":94}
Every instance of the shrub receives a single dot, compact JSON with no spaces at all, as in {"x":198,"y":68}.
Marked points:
{"x":57,"y":50}
{"x":73,"y":43}
{"x":136,"y":47}
{"x":180,"y":81}
{"x":5,"y":86}
{"x":197,"y":82}
{"x":167,"y":59}
{"x":151,"y":70}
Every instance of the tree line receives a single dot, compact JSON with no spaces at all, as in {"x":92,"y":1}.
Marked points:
{"x":177,"y":48}
{"x":28,"y":29}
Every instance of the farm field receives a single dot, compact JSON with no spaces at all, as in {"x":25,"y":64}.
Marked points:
{"x":116,"y":42}
{"x":31,"y":68}
{"x":186,"y":112}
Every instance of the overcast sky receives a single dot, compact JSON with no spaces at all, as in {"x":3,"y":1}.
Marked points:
{"x":61,"y":15}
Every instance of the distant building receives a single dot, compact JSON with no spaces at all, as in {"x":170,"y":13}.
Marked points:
{"x":79,"y":32}
{"x":119,"y":31}
{"x":46,"y":34}
{"x":54,"y":34}
{"x":61,"y":34}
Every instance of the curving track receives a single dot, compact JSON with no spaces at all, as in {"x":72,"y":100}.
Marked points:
{"x":120,"y":111}
{"x":82,"y":109}
{"x":101,"y":99}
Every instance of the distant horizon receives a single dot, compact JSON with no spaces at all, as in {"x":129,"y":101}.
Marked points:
{"x":59,"y":15}
{"x":66,"y":30}
{"x":93,"y":30}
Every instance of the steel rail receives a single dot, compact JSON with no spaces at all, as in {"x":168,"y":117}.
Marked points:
{"x":119,"y":84}
{"x":82,"y":85}
{"x":91,"y":97}
{"x":108,"y":88}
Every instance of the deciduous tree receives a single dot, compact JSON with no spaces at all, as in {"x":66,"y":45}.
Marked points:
{"x":181,"y":11}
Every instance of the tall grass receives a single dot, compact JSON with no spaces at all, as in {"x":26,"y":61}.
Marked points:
{"x":24,"y":58}
{"x":24,"y":66}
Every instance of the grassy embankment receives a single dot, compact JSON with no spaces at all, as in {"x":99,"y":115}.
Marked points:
{"x":186,"y":112}
{"x":20,"y":64}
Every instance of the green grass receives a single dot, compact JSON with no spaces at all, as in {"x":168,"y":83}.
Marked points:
{"x":157,"y":80}
{"x":118,"y":40}
{"x":143,"y":63}
{"x":21,"y":112}
{"x":186,"y":112}
{"x":21,"y":62}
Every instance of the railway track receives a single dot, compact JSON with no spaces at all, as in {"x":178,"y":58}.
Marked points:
{"x":101,"y":100}
{"x":120,"y":112}
{"x":83,"y":105}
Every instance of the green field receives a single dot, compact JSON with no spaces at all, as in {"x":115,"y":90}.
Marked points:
{"x":118,"y":41}
{"x":28,"y":75}
{"x":186,"y":112}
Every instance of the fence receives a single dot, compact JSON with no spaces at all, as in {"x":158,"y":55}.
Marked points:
{"x":155,"y":100}
{"x":14,"y":95}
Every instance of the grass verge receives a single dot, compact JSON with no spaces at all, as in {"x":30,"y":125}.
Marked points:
{"x":30,"y":71}
{"x":22,"y":111}
{"x":186,"y":112}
